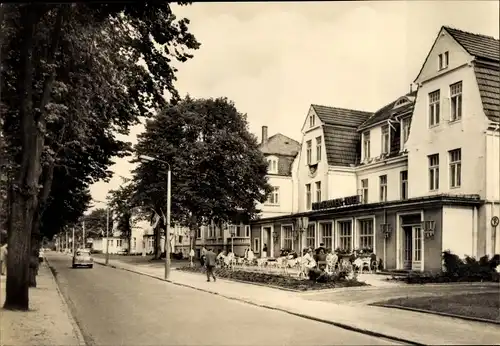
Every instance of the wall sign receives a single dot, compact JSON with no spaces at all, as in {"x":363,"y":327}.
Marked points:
{"x":495,"y":221}
{"x":337,"y":202}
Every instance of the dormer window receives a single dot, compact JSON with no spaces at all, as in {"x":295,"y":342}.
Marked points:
{"x":405,"y":131}
{"x":272,"y":165}
{"x":385,"y":139}
{"x":311,"y":120}
{"x":401,"y":102}
{"x":366,"y":145}
{"x":443,"y":60}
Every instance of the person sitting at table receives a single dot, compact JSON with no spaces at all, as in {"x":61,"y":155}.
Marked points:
{"x":308,"y":261}
{"x":220,"y":258}
{"x":321,"y":259}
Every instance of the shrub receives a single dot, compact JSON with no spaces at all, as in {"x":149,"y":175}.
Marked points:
{"x":325,"y":281}
{"x":95,"y":251}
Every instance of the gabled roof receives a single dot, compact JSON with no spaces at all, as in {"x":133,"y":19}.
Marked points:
{"x":340,"y":116}
{"x":280,"y":144}
{"x":387,"y":111}
{"x":477,"y":45}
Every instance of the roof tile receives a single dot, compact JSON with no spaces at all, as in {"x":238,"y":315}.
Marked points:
{"x":340,"y":116}
{"x":488,"y":81}
{"x":342,"y":145}
{"x":480,"y":46}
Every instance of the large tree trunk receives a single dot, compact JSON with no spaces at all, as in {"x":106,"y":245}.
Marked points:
{"x":25,"y":189}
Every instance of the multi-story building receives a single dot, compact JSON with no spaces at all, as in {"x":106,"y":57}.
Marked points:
{"x":393,"y":180}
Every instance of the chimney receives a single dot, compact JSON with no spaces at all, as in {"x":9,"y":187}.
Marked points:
{"x":411,"y":88}
{"x":264,"y":134}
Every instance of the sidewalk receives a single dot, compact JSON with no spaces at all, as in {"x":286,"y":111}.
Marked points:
{"x":47,"y":323}
{"x":400,"y":325}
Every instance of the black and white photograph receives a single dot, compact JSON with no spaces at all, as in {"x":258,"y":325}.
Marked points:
{"x":292,"y":173}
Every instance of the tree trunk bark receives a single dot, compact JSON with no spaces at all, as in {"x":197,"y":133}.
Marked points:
{"x":24,"y":191}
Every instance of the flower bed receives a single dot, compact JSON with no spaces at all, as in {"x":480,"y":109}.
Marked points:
{"x":278,"y":280}
{"x":457,"y":270}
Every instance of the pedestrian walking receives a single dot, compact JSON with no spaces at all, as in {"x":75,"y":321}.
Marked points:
{"x":3,"y":259}
{"x":210,"y":261}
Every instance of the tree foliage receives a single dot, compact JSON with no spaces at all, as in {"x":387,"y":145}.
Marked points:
{"x":218,"y":172}
{"x":70,"y":79}
{"x":95,"y":223}
{"x":122,"y":204}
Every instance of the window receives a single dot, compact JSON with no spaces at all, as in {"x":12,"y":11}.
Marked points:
{"x":311,"y":120}
{"x":272,"y":166}
{"x":366,"y":145}
{"x":364,"y":190}
{"x":256,"y":245}
{"x":385,"y":139}
{"x":345,"y":235}
{"x":455,"y":168}
{"x":309,"y":152}
{"x":433,"y":172}
{"x":274,"y":196}
{"x":119,"y":242}
{"x":318,"y":149}
{"x":366,"y":234}
{"x":327,"y":235}
{"x":180,"y":239}
{"x":110,"y":242}
{"x":383,"y":188}
{"x":434,"y":108}
{"x":443,"y":60}
{"x":198,"y":233}
{"x":404,"y":184}
{"x":311,"y":236}
{"x":134,"y":243}
{"x":417,"y":256}
{"x":456,"y":101}
{"x":318,"y":191}
{"x":247,"y":231}
{"x":288,"y":237}
{"x":308,"y":196}
{"x":405,"y":132}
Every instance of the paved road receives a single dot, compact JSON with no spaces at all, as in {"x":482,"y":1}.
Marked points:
{"x":115,"y":307}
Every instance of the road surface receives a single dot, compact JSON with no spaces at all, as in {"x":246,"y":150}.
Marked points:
{"x":116,"y":307}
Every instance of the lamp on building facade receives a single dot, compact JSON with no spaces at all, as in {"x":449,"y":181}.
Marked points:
{"x":429,"y":228}
{"x":275,"y":236}
{"x":386,"y":230}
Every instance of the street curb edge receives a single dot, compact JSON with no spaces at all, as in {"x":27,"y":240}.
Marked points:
{"x":336,"y":324}
{"x":74,"y":324}
{"x":445,"y":314}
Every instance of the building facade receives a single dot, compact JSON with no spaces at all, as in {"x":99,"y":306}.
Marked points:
{"x":417,"y":177}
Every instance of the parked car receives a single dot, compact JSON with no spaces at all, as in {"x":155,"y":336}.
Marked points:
{"x":122,"y":252}
{"x":82,"y":258}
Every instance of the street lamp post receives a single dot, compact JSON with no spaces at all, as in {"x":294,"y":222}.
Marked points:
{"x":300,"y":225}
{"x":73,"y":242}
{"x":167,"y":221}
{"x":232,"y":233}
{"x":107,"y":235}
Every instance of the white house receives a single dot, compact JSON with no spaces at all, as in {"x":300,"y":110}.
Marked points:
{"x":393,"y":180}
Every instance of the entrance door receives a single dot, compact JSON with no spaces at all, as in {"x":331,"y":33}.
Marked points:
{"x":266,"y":238}
{"x":417,"y":247}
{"x":407,"y":248}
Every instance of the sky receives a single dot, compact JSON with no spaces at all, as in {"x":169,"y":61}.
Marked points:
{"x":275,"y":59}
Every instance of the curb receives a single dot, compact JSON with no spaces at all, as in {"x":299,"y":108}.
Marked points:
{"x":445,"y":314}
{"x":336,"y":324}
{"x":74,"y":324}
